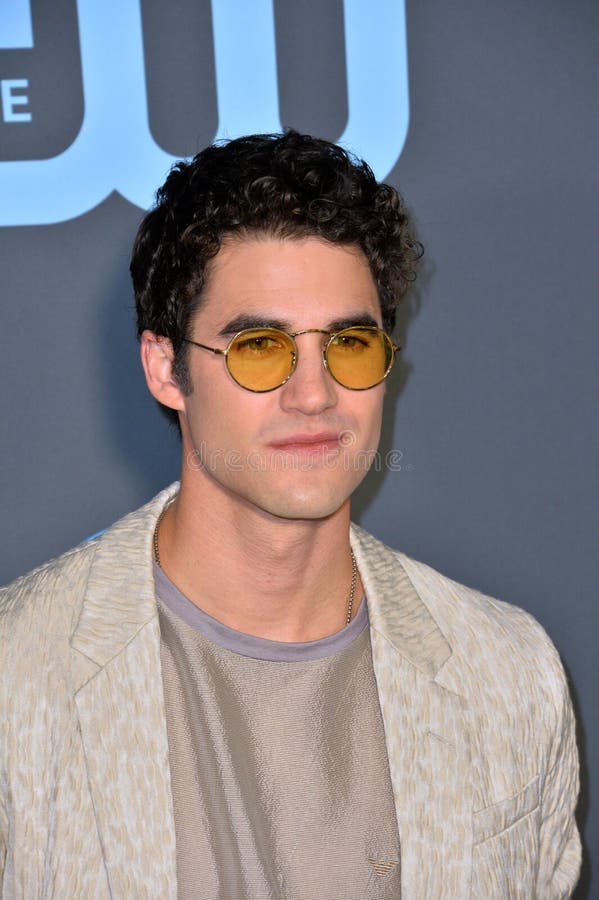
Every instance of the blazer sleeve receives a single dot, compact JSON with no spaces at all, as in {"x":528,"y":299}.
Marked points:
{"x":3,"y":790}
{"x":3,"y":843}
{"x":560,"y":847}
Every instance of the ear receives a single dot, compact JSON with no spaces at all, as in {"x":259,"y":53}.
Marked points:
{"x":157,"y":358}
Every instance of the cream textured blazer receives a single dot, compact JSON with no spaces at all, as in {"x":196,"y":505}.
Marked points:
{"x":477,"y":717}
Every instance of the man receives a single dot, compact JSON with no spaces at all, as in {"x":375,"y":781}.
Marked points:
{"x":233,"y":692}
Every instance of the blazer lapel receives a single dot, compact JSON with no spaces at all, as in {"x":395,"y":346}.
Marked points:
{"x":120,"y":703}
{"x":425,"y":729}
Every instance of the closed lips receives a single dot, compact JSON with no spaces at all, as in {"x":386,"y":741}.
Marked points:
{"x":307,"y":439}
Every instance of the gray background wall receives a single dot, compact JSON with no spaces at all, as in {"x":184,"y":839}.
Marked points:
{"x":495,"y":409}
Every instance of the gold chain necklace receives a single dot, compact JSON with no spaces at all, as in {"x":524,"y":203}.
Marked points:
{"x":155,"y":538}
{"x":354,"y":566}
{"x":352,"y":590}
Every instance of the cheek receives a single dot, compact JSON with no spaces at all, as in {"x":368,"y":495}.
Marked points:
{"x":363,"y":427}
{"x":371,"y":413}
{"x":220,"y":412}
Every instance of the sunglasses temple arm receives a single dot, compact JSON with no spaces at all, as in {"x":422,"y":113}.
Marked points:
{"x":205,"y":347}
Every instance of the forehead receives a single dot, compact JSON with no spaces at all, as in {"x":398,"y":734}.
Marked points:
{"x":306,"y":282}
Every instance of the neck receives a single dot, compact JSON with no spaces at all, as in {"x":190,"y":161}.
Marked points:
{"x":281,"y":579}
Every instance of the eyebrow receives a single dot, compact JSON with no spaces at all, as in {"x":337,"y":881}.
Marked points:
{"x":243,"y":321}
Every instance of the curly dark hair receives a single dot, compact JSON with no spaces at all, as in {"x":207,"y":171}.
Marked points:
{"x":287,"y":185}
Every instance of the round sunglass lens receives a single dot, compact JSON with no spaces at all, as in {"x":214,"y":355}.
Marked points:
{"x":359,"y":358}
{"x":261,"y":359}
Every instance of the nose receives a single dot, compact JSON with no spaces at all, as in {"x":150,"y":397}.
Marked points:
{"x":311,"y":389}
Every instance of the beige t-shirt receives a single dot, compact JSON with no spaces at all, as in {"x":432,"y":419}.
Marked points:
{"x":280,"y":778}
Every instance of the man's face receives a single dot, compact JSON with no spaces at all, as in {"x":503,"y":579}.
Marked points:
{"x":299,"y":451}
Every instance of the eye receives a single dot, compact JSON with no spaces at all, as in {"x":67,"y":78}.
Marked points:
{"x":352,"y":341}
{"x":258,"y":344}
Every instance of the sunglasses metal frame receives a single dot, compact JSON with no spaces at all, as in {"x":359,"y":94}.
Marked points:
{"x":295,"y":353}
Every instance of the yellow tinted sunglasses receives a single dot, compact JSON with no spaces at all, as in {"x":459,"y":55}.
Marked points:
{"x":263,"y":359}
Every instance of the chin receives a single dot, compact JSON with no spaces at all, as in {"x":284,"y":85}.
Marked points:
{"x":308,"y":498}
{"x":310,"y":507}
{"x":298,"y":513}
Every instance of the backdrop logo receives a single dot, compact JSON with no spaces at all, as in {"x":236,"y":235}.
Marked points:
{"x":114,"y":149}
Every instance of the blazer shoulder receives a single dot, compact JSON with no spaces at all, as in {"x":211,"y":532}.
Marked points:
{"x":450,"y":602}
{"x":490,"y":639}
{"x":462,"y":608}
{"x":35,"y":599}
{"x":50,"y":597}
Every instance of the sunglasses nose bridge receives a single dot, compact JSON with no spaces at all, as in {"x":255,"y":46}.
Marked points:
{"x":295,"y":334}
{"x":323,"y":350}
